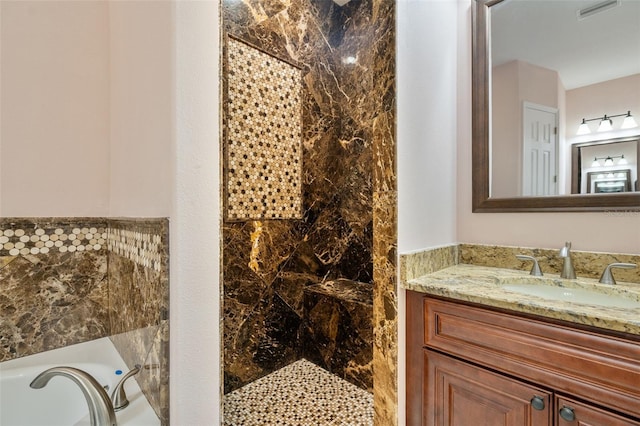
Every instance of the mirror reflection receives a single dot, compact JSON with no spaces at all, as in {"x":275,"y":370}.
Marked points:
{"x":565,"y":97}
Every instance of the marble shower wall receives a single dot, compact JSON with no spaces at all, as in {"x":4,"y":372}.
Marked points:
{"x":347,"y":57}
{"x":70,"y":280}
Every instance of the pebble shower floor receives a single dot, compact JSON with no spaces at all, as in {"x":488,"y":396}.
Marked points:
{"x":300,"y":394}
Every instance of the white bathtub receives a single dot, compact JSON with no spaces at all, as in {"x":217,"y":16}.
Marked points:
{"x":61,"y":402}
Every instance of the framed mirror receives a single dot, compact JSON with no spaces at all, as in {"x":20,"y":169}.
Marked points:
{"x":533,"y":62}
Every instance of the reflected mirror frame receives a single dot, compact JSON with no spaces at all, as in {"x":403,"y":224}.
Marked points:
{"x":480,"y":147}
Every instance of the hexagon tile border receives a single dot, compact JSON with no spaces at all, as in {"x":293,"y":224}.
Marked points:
{"x":263,"y":158}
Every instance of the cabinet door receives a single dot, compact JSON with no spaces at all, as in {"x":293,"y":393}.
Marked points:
{"x":573,"y":413}
{"x":461,"y":394}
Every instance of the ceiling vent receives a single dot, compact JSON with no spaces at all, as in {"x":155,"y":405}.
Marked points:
{"x":597,"y":8}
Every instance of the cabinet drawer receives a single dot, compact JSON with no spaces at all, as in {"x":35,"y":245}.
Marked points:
{"x":586,"y":364}
{"x":578,"y":413}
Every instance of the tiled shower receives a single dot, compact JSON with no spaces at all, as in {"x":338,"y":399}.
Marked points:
{"x":308,"y":251}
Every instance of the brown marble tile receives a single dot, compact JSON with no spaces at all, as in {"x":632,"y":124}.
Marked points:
{"x":153,"y":378}
{"x":385,"y":310}
{"x":385,"y":305}
{"x":78,"y":279}
{"x":139,"y":302}
{"x":52,"y":300}
{"x":348,"y":115}
{"x":338,"y":329}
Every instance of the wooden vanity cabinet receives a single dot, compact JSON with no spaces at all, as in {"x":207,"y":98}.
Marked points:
{"x":465,"y":395}
{"x":470,"y":365}
{"x":588,"y":415}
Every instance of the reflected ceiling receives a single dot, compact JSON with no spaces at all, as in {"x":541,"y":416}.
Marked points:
{"x":529,"y":30}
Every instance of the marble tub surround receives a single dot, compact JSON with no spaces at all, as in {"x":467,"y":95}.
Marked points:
{"x":338,"y":329}
{"x":484,"y":285}
{"x":138,"y":272}
{"x":52,"y":300}
{"x":347,"y":57}
{"x":79,"y":279}
{"x":22,"y":236}
{"x":149,"y":348}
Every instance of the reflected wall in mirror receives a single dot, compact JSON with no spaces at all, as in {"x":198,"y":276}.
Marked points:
{"x":540,"y":69}
{"x":605,"y":166}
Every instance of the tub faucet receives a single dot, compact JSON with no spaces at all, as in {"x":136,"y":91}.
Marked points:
{"x":101,"y":410}
{"x":119,"y":397}
{"x":567,"y":266}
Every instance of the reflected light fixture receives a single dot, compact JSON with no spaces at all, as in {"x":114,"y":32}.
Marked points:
{"x":622,"y":161}
{"x":608,"y":161}
{"x":606,"y":124}
{"x":629,"y":122}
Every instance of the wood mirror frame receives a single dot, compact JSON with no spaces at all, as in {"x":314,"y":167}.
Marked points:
{"x":481,"y":202}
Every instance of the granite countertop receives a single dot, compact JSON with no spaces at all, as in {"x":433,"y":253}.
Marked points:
{"x":484,"y":285}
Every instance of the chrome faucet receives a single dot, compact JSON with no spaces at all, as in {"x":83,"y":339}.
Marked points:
{"x":119,"y":397}
{"x":535,"y":267}
{"x":607,"y":276}
{"x":567,"y":265}
{"x":101,"y":410}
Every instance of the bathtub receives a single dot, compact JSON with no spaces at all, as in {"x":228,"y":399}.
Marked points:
{"x":61,"y":402}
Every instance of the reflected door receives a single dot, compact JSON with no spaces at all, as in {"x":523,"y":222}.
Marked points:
{"x":540,"y":148}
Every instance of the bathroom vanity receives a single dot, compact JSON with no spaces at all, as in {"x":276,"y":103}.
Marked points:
{"x":480,"y":355}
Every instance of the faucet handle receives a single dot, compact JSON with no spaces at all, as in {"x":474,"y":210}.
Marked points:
{"x":535,"y":268}
{"x":607,"y":275}
{"x":119,"y":397}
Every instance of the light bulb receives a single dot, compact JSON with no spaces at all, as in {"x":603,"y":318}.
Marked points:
{"x":629,"y":122}
{"x":622,"y":161}
{"x":584,"y":128}
{"x":595,"y":163}
{"x":608,"y":161}
{"x":605,"y":125}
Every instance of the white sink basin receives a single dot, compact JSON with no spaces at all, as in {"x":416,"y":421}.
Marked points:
{"x":574,"y":295}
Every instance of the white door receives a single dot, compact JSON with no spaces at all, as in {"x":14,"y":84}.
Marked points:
{"x":540,"y":150}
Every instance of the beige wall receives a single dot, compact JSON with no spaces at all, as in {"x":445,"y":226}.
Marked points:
{"x":87,"y":117}
{"x":506,"y":130}
{"x":141,"y":108}
{"x":54,"y":128}
{"x":609,"y":232}
{"x":514,"y":83}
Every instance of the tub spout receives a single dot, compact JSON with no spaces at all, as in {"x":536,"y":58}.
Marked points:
{"x":100,"y":407}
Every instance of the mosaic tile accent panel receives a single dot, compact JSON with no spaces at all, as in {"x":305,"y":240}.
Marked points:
{"x":264,"y":133}
{"x":41,"y":238}
{"x":144,"y":248}
{"x":300,"y":394}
